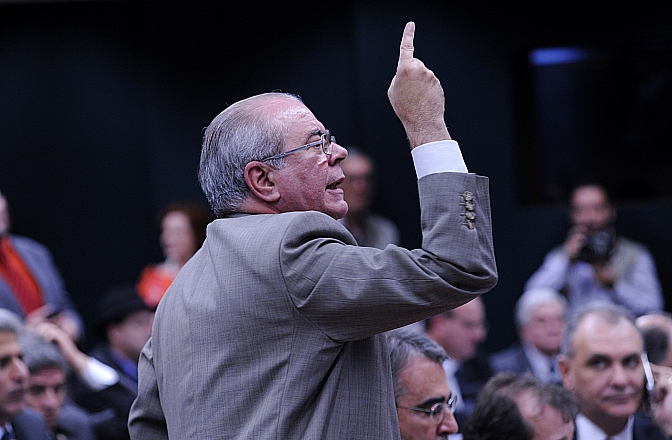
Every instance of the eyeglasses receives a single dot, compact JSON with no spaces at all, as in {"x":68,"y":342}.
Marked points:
{"x":326,"y":139}
{"x":438,"y":411}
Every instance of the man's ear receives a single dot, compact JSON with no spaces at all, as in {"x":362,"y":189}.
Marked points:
{"x":564,"y":367}
{"x":260,"y":179}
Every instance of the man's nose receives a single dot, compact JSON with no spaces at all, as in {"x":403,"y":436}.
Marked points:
{"x":338,"y":153}
{"x":448,"y":425}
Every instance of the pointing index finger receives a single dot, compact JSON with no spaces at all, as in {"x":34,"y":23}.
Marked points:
{"x":406,"y":49}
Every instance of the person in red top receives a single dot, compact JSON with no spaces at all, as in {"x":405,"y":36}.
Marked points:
{"x":31,"y":285}
{"x":182,"y":232}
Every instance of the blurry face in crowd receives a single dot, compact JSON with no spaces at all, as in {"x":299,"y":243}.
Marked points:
{"x":310,"y":179}
{"x":425,"y":384}
{"x":606,"y":373}
{"x":177,"y":237}
{"x":460,"y":331}
{"x":46,"y":393}
{"x":130,"y":335}
{"x":357,"y":186}
{"x":13,"y":377}
{"x":545,"y":327}
{"x":590,"y":208}
{"x":546,"y":421}
{"x":4,"y":216}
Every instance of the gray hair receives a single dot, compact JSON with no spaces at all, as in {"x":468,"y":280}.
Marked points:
{"x":241,"y":133}
{"x":10,"y":322}
{"x":39,"y":354}
{"x":610,"y":313}
{"x":403,"y":346}
{"x":533,"y":298}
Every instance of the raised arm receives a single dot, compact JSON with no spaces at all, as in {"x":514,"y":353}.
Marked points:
{"x":416,"y":96}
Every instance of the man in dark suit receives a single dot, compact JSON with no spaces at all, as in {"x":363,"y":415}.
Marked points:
{"x":124,"y":324}
{"x":31,"y":285}
{"x":460,"y":332}
{"x":540,"y":321}
{"x":16,"y":422}
{"x":601,"y":364}
{"x":273,"y":328}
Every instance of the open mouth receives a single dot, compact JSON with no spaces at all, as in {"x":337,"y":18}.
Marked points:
{"x":335,"y":184}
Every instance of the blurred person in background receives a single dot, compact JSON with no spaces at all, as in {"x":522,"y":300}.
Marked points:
{"x":368,"y":228}
{"x":47,"y":390}
{"x":540,"y":322}
{"x":460,"y":332}
{"x":16,"y":420}
{"x":182,"y":227}
{"x":597,"y":264}
{"x":31,"y":285}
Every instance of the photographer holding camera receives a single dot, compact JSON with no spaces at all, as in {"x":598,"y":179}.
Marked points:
{"x":595,"y":263}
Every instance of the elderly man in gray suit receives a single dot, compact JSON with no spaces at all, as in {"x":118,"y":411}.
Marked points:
{"x":273,"y":329}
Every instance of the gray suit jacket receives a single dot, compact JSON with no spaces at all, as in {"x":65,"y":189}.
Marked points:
{"x":272,"y":330}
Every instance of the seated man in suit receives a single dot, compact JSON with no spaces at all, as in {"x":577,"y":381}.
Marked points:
{"x":513,"y":407}
{"x":31,"y":285}
{"x":540,"y":321}
{"x":601,"y":364}
{"x":16,"y":421}
{"x":124,"y":324}
{"x":425,"y":404}
{"x":459,"y":332}
{"x":368,"y":228}
{"x":47,"y":390}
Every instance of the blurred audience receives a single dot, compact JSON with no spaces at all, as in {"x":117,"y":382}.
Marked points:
{"x":513,"y":407}
{"x":595,"y":263}
{"x":424,"y":401}
{"x":656,"y":330}
{"x":182,"y":226}
{"x":47,"y":390}
{"x":601,"y":364}
{"x":124,"y":324}
{"x":16,"y":421}
{"x":368,"y":228}
{"x":459,"y":332}
{"x":540,"y":322}
{"x":31,"y":285}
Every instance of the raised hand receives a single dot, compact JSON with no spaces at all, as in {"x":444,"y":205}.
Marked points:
{"x":416,"y":96}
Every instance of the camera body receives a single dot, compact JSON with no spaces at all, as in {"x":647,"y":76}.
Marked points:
{"x":597,"y":247}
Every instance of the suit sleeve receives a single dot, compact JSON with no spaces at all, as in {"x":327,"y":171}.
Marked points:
{"x":146,"y":420}
{"x":352,"y":292}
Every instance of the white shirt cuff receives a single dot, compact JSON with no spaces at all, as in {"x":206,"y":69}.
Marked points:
{"x":99,"y":376}
{"x":438,"y":157}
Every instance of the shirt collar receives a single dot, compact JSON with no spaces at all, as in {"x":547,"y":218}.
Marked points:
{"x":587,"y":430}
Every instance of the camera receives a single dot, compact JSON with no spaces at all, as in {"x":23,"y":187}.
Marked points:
{"x":597,"y":247}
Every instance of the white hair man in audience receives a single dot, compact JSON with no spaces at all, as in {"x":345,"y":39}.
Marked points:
{"x":540,"y":322}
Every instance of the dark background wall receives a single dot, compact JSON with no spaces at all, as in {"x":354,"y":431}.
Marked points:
{"x":102,"y":106}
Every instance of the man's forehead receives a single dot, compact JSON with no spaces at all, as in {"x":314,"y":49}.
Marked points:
{"x":595,"y":335}
{"x":9,"y":344}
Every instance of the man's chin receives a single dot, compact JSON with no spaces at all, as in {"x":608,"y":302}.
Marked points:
{"x":339,"y":211}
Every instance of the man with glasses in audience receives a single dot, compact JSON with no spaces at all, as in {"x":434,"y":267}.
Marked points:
{"x":273,"y":329}
{"x":460,"y":332}
{"x":425,"y":404}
